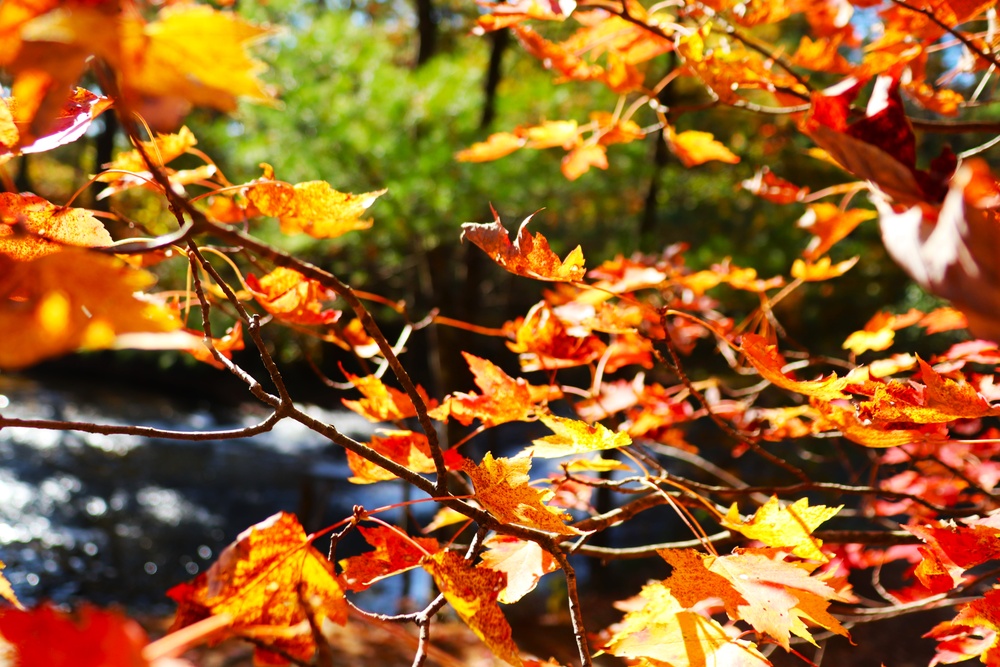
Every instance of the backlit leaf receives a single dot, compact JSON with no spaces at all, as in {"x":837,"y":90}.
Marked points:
{"x":768,"y":362}
{"x":293,"y":298}
{"x":528,"y":256}
{"x":7,"y":591}
{"x":524,"y":563}
{"x":393,"y":554}
{"x":579,"y":160}
{"x":503,"y":488}
{"x":573,"y":436}
{"x":268,"y":580}
{"x":543,"y":342}
{"x":693,"y":147}
{"x":788,"y":526}
{"x":70,"y":300}
{"x":473,"y":592}
{"x":822,"y":269}
{"x":382,"y":403}
{"x":829,"y":224}
{"x":406,"y":448}
{"x":496,"y":146}
{"x":313,"y":208}
{"x":31,"y":227}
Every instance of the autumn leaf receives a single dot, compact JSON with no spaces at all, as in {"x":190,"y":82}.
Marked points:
{"x":524,"y":563}
{"x":528,"y":256}
{"x":693,"y":147}
{"x":496,"y":146}
{"x":394,"y":553}
{"x":231,"y":342}
{"x":31,"y":227}
{"x":661,"y":631}
{"x":70,"y":300}
{"x":823,"y":269}
{"x":829,"y":224}
{"x":7,"y":591}
{"x":844,"y":419}
{"x":880,"y":331}
{"x":293,"y":298}
{"x":768,"y":362}
{"x":407,"y":448}
{"x":503,"y":488}
{"x":543,"y":342}
{"x":789,"y":526}
{"x":953,"y":548}
{"x":579,"y":160}
{"x":382,"y":403}
{"x":268,"y":581}
{"x":69,"y":124}
{"x":313,"y":208}
{"x":88,"y":637}
{"x":504,"y":399}
{"x":163,"y":149}
{"x":552,"y":134}
{"x":975,"y":631}
{"x":767,"y":185}
{"x":573,"y":436}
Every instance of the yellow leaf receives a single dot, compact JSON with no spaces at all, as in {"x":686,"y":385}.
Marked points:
{"x":69,"y":300}
{"x":693,"y":148}
{"x":496,"y":146}
{"x":821,"y":270}
{"x":472,"y":592}
{"x":573,"y":436}
{"x":787,"y":527}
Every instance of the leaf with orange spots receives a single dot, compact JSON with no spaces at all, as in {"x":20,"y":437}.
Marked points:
{"x":269,"y":581}
{"x":503,"y":488}
{"x":579,"y":160}
{"x":758,"y":586}
{"x":528,"y":256}
{"x":473,"y":592}
{"x":31,"y":227}
{"x":573,"y":436}
{"x":87,"y":637}
{"x":788,"y":526}
{"x":407,"y":448}
{"x":504,"y":399}
{"x":293,"y":298}
{"x":524,"y":563}
{"x":313,"y":208}
{"x":496,"y":146}
{"x":382,"y":403}
{"x":693,"y":148}
{"x":73,"y":299}
{"x":394,"y":553}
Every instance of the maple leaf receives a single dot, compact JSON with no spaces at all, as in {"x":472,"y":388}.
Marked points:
{"x":293,"y":298}
{"x":954,"y":548}
{"x":502,"y":487}
{"x":73,"y":299}
{"x":768,"y":362}
{"x":268,"y":581}
{"x":88,"y":637}
{"x":31,"y":227}
{"x":693,"y":148}
{"x":382,"y":403}
{"x":757,"y":586}
{"x":69,"y":124}
{"x":313,"y":208}
{"x":790,"y":526}
{"x":473,"y":593}
{"x":528,"y":256}
{"x":163,"y":149}
{"x":822,"y":270}
{"x":974,"y":631}
{"x":573,"y":436}
{"x":394,"y":553}
{"x":880,"y":331}
{"x":579,"y":160}
{"x":229,"y":343}
{"x":496,"y":146}
{"x":845,"y":420}
{"x":406,"y":448}
{"x":543,"y":342}
{"x":773,"y":188}
{"x":524,"y":563}
{"x":663,"y":632}
{"x":829,"y":224}
{"x":504,"y":399}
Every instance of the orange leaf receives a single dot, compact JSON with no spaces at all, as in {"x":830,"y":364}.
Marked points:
{"x":293,"y":298}
{"x":524,"y":563}
{"x":313,"y":208}
{"x":693,"y":148}
{"x":790,"y":526}
{"x":573,"y":436}
{"x":164,"y":149}
{"x":7,"y":591}
{"x":503,"y":400}
{"x":974,"y":632}
{"x":70,"y":123}
{"x":768,"y":362}
{"x":579,"y":160}
{"x":393,"y":554}
{"x":268,"y":581}
{"x":528,"y":256}
{"x":766,"y":185}
{"x":73,"y":299}
{"x":502,"y":487}
{"x":31,"y":227}
{"x":879,"y":331}
{"x":472,"y":592}
{"x":229,"y":343}
{"x":943,"y":319}
{"x":552,"y":133}
{"x":543,"y":342}
{"x":845,"y":420}
{"x":829,"y":224}
{"x":89,"y":637}
{"x":382,"y":403}
{"x":496,"y":146}
{"x":406,"y":448}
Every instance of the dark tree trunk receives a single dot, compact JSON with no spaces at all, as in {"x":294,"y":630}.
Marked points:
{"x":427,"y":31}
{"x":661,"y":157}
{"x":500,"y":40}
{"x":105,"y":145}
